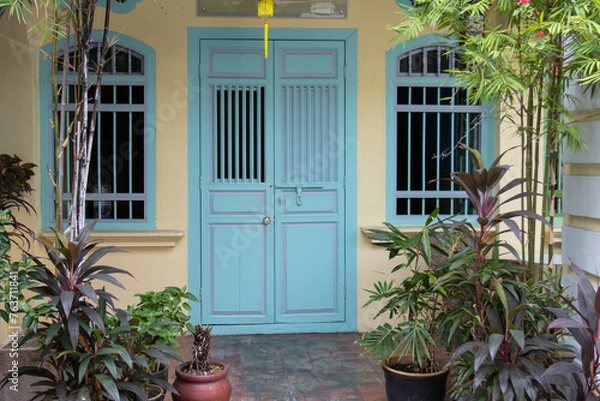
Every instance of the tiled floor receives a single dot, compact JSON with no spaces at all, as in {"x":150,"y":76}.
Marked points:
{"x":299,"y":367}
{"x":291,"y":367}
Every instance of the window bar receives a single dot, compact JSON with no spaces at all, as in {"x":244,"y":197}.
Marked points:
{"x":308,"y":129}
{"x":326,"y":138}
{"x":316,"y":156}
{"x":438,"y":144}
{"x":301,"y":134}
{"x":98,"y":56}
{"x":467,"y":158}
{"x":67,"y":157}
{"x":320,"y":133}
{"x":423,"y":158}
{"x":129,"y":61}
{"x":409,"y":151}
{"x":237,"y":133}
{"x":334,"y":133}
{"x":310,"y":144}
{"x":468,"y":136}
{"x":98,"y":155}
{"x":452,"y":154}
{"x":295,"y":139}
{"x":285,"y":125}
{"x":222,"y":132}
{"x":290,"y":134}
{"x":216,"y":126}
{"x":113,"y":60}
{"x":336,"y":138}
{"x":229,"y":127}
{"x":114,"y":163}
{"x":130,"y":165}
{"x":260,"y":128}
{"x":251,"y":133}
{"x":245,"y":130}
{"x":305,"y":134}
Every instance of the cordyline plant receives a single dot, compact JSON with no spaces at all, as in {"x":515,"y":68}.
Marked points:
{"x":80,"y":356}
{"x":474,"y":273}
{"x":508,"y":362}
{"x":498,"y":314}
{"x":14,"y":190}
{"x":69,"y":24}
{"x":521,"y":55}
{"x":582,"y":320}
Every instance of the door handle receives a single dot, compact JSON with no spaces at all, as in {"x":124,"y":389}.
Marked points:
{"x":298,"y":189}
{"x":266,"y":220}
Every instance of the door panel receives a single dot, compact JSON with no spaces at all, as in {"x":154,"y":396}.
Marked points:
{"x":309,"y":157}
{"x":237,"y":270}
{"x":272,"y":185}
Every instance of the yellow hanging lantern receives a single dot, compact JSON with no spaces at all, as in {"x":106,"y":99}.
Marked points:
{"x":265,"y":11}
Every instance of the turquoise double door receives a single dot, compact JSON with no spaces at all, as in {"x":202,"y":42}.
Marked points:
{"x":272,"y":185}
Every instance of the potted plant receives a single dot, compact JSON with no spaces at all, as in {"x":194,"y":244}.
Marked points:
{"x":449,"y":299}
{"x":14,"y":189}
{"x":581,"y":320}
{"x":158,"y":319}
{"x":499,"y":313}
{"x":411,"y":350}
{"x":79,"y":355}
{"x":202,"y":378}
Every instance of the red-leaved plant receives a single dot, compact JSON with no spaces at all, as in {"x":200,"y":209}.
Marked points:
{"x":472,"y":274}
{"x":582,"y":320}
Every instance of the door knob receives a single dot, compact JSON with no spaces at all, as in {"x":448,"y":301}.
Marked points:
{"x":266,"y":220}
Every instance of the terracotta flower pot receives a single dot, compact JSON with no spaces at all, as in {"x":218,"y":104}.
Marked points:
{"x":191,"y":387}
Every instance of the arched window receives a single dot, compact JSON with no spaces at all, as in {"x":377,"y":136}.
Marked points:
{"x":428,"y":116}
{"x":121,"y":176}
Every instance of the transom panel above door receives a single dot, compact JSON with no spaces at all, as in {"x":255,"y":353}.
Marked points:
{"x":272,"y":138}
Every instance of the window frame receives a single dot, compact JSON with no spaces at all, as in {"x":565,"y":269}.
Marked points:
{"x":148,"y":79}
{"x":487,"y":135}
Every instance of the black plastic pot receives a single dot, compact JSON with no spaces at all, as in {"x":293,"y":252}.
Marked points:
{"x":404,"y":386}
{"x":155,"y":393}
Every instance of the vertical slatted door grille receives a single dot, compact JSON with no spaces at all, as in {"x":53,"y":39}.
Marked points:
{"x":309,"y":146}
{"x":238,"y":145}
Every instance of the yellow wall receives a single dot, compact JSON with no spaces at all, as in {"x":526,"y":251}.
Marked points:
{"x":163,"y":26}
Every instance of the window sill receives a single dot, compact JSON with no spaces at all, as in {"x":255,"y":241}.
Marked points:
{"x":368,"y":231}
{"x":132,"y":239}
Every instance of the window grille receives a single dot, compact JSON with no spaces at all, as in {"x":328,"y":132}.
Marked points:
{"x":431,"y":118}
{"x":117,"y":181}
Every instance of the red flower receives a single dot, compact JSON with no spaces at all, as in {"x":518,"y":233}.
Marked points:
{"x":540,"y":34}
{"x":522,"y":2}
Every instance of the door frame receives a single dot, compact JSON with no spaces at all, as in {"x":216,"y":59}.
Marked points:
{"x":349,"y":36}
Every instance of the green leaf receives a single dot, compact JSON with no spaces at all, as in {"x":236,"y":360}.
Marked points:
{"x":109,"y":386}
{"x":519,"y":337}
